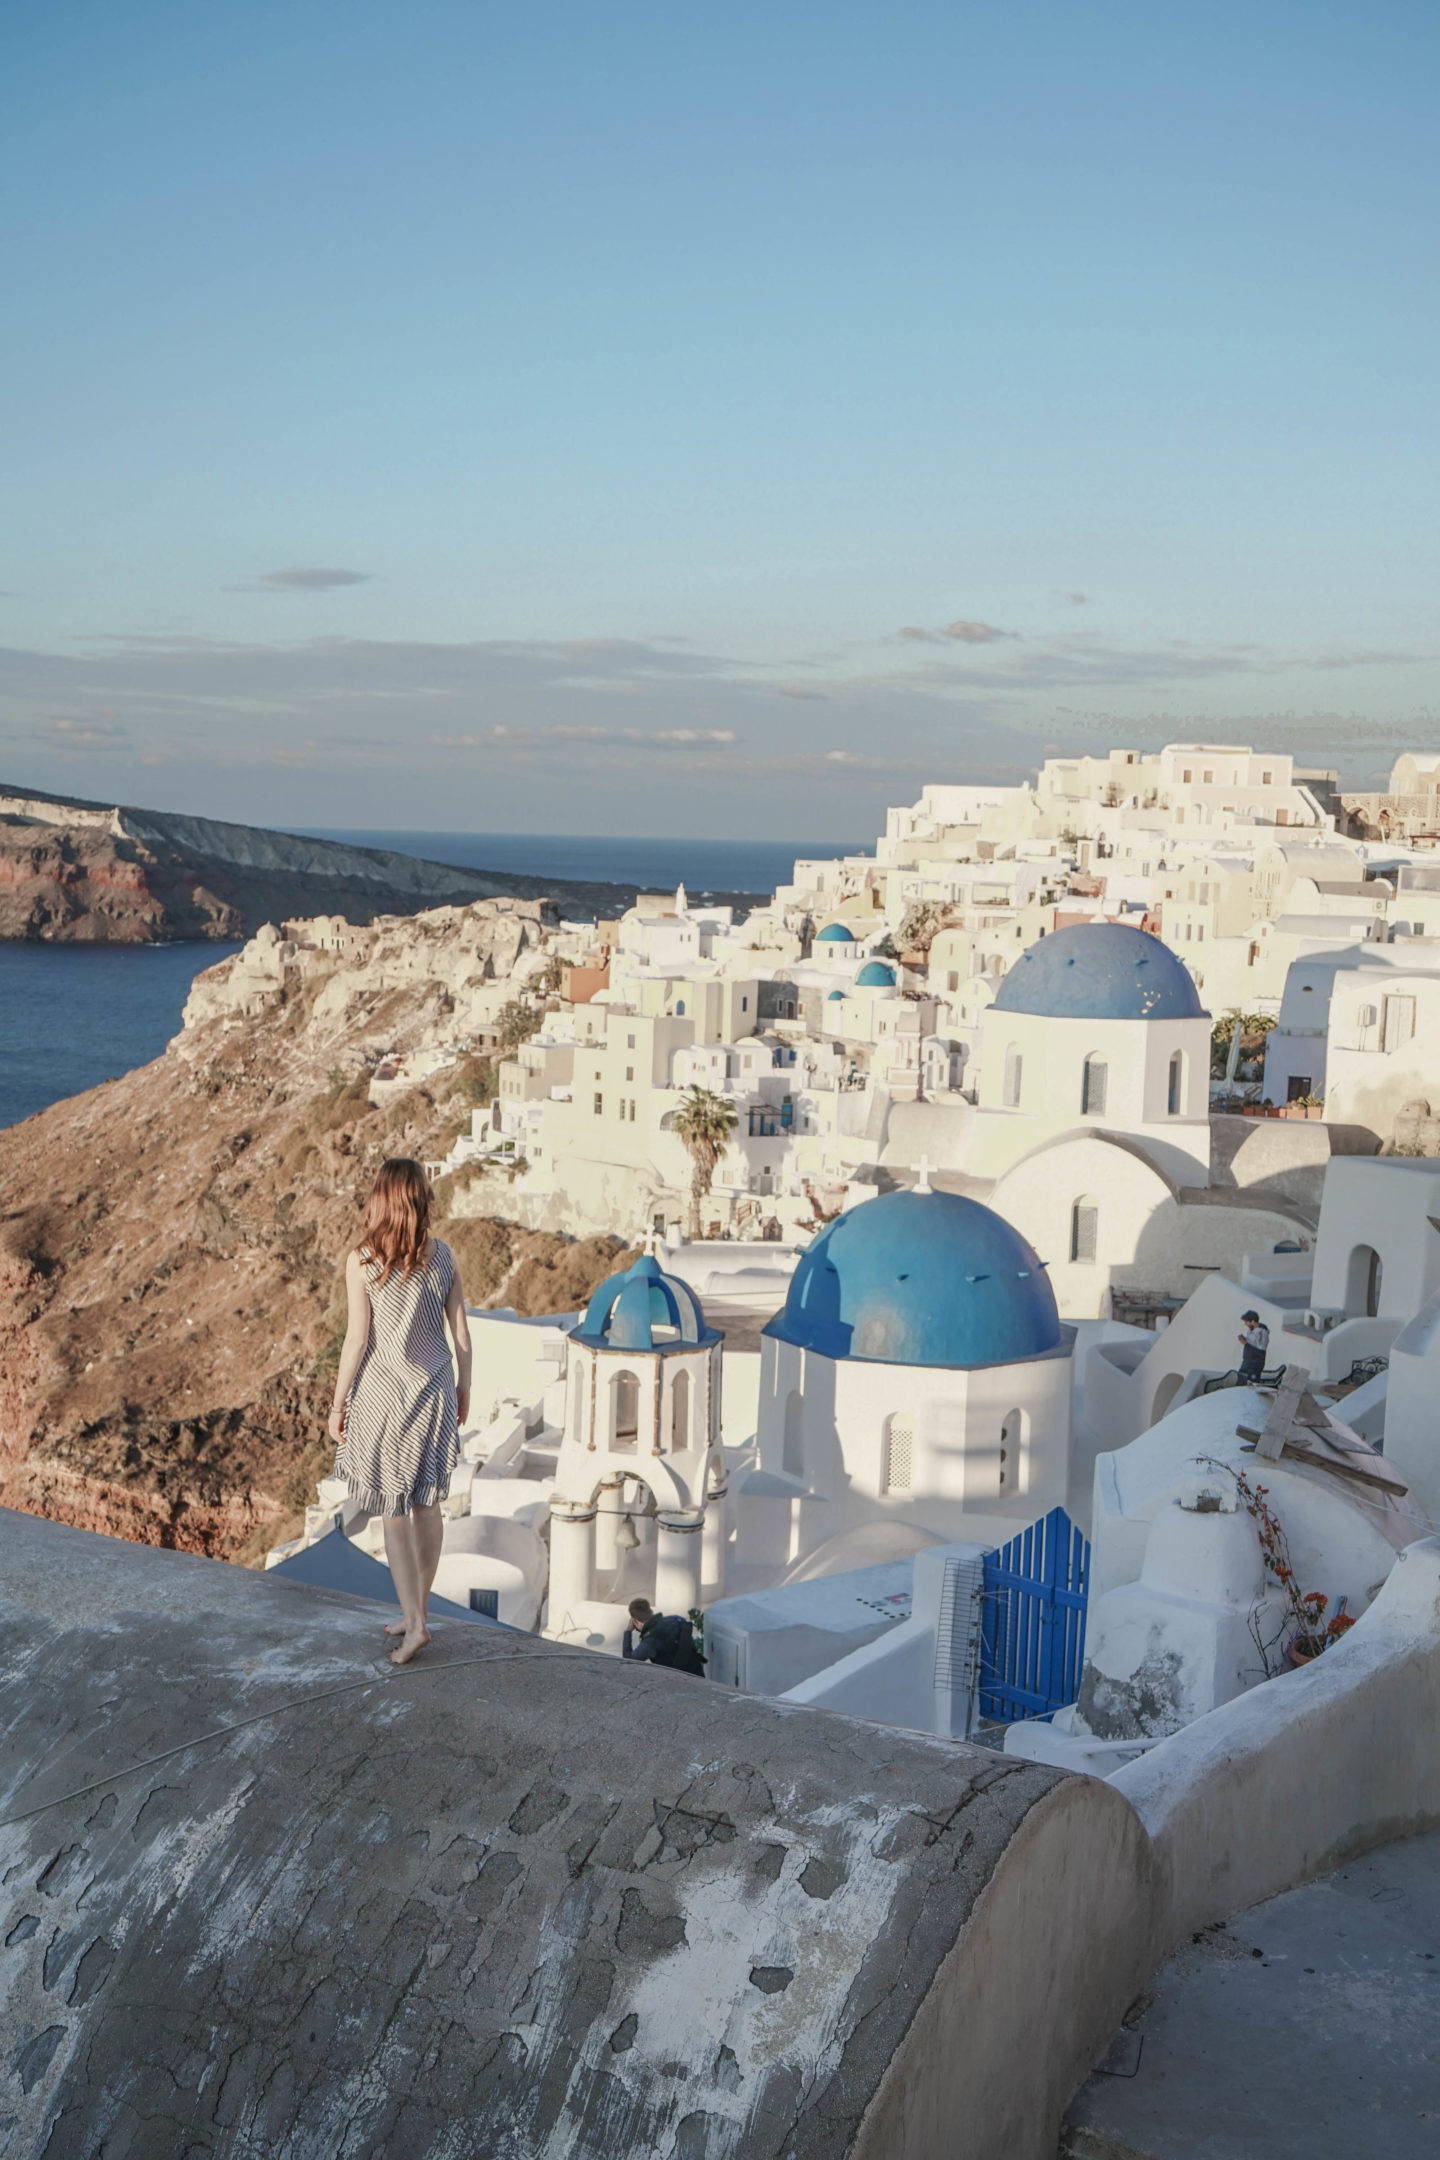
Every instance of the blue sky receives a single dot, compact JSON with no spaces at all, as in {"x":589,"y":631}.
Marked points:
{"x":652,"y":418}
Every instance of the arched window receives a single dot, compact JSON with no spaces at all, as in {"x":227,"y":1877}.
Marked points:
{"x":899,"y":1464}
{"x":1014,"y":1075}
{"x":1084,"y":1229}
{"x":625,"y":1413}
{"x":1094,"y":1087}
{"x":1012,"y":1435}
{"x":680,"y":1006}
{"x":680,"y":1413}
{"x":1175,"y":1089}
{"x":577,"y":1404}
{"x":792,"y":1458}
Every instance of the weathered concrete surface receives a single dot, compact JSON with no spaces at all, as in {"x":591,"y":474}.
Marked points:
{"x":264,"y":1896}
{"x":1310,"y":2025}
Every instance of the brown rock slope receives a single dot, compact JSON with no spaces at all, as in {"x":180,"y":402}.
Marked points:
{"x":170,"y":1246}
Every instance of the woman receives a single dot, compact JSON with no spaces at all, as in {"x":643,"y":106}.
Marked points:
{"x":397,"y":1406}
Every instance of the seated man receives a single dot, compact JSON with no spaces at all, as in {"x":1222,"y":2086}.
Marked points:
{"x":1254,"y":1341}
{"x":661,"y":1639}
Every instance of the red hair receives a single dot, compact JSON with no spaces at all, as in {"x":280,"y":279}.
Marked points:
{"x":395,"y":1227}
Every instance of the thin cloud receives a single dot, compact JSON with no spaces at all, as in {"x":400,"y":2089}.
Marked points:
{"x":304,"y":578}
{"x":962,"y":632}
{"x":89,"y":734}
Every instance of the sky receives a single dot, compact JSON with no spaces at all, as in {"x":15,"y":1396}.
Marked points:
{"x":713,"y":421}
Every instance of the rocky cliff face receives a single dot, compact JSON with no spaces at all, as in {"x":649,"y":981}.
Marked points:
{"x":170,"y":1243}
{"x":87,"y":872}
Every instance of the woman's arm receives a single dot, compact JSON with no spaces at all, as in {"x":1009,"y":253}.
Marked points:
{"x":357,"y":1342}
{"x":460,"y":1336}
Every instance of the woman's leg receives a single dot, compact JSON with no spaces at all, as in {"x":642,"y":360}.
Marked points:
{"x":429,"y":1536}
{"x":403,"y":1551}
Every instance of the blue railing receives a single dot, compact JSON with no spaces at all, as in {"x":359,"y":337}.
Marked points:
{"x":1032,"y":1621}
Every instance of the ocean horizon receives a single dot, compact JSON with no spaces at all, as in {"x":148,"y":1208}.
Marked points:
{"x":654,"y":863}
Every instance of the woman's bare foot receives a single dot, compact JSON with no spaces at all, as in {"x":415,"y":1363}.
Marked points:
{"x":409,"y":1646}
{"x":394,"y":1627}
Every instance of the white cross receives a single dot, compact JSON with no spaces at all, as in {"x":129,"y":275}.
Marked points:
{"x":922,"y":1174}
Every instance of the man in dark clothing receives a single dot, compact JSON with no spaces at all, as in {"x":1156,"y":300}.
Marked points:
{"x":1254,"y":1342}
{"x":661,"y":1639}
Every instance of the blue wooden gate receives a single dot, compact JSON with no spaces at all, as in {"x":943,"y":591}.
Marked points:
{"x":1032,"y":1621}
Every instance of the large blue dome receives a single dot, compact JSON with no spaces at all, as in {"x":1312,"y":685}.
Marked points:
{"x":1100,"y":971}
{"x":875,"y":976}
{"x":921,"y":1278}
{"x":627,"y":1309}
{"x":835,"y":933}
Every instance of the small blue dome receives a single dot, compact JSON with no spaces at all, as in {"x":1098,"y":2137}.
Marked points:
{"x":875,"y":976}
{"x":834,"y":994}
{"x":626,"y":1309}
{"x":1100,"y":971}
{"x":921,"y":1278}
{"x":834,"y":933}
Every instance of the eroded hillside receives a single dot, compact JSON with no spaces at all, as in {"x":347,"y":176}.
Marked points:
{"x":170,"y":1243}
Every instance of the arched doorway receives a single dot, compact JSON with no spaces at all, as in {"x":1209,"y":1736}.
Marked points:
{"x":1165,"y":1394}
{"x":680,"y":1413}
{"x":1363,"y":1282}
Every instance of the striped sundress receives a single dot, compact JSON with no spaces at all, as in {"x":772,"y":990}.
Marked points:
{"x":400,"y":1423}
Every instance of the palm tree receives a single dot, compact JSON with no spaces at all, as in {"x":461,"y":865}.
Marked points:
{"x":704,"y":1123}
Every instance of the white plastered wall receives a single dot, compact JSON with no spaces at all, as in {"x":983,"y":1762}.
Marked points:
{"x":957,"y":1418}
{"x":1053,"y":1053}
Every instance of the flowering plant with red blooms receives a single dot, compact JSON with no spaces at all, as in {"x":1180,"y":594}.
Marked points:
{"x":1305,"y":1609}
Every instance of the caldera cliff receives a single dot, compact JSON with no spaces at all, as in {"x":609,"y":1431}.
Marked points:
{"x":78,"y":872}
{"x":170,"y":1243}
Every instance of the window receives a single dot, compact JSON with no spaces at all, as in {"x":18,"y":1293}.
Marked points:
{"x":632,"y":1110}
{"x":1094,"y":1086}
{"x":899,"y":1463}
{"x":599,"y":1105}
{"x":745,"y":1004}
{"x":629,"y":1072}
{"x":680,"y":1007}
{"x":1011,"y":1433}
{"x":952,"y":979}
{"x":1209,"y":779}
{"x":624,"y":1413}
{"x":1397,"y":1024}
{"x":1084,"y":1230}
{"x":629,"y":1042}
{"x":1175,"y":1086}
{"x":1186,"y":774}
{"x":1199,"y":933}
{"x":680,"y":1413}
{"x":1014,"y":1076}
{"x":1267,"y":779}
{"x":792,"y":1458}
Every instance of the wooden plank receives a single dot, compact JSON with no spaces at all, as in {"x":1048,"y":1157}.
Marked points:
{"x":1365,"y":1471}
{"x":1282,"y":1414}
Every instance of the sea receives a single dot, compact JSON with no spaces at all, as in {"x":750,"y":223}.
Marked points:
{"x":74,"y":1015}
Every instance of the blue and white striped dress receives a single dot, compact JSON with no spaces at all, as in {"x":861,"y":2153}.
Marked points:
{"x":400,"y":1423}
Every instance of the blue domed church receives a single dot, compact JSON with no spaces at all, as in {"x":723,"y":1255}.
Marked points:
{"x":919,"y":1370}
{"x":1096,"y":1028}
